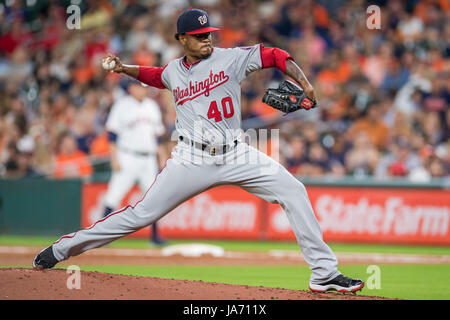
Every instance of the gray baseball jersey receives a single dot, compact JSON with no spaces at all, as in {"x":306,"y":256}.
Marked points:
{"x":208,"y":93}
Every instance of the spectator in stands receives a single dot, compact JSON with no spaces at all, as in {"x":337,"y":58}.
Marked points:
{"x":430,"y":125}
{"x":363,"y":157}
{"x":371,"y":124}
{"x":70,"y":162}
{"x":436,"y":167}
{"x":409,"y":97}
{"x":296,"y":154}
{"x":316,"y":162}
{"x":337,"y":147}
{"x":400,"y":162}
{"x":439,"y":97}
{"x":396,"y":76}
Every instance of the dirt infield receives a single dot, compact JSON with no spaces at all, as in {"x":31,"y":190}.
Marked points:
{"x":25,"y":284}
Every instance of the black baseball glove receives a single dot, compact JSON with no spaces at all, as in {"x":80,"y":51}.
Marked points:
{"x":289,"y":97}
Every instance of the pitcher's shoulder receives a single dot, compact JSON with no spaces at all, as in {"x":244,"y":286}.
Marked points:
{"x":173,"y":63}
{"x":235,"y":50}
{"x":222,"y":51}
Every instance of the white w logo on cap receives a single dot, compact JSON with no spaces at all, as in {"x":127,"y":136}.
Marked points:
{"x":202,"y":19}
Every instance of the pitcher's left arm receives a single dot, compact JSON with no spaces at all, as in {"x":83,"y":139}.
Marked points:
{"x":278,"y":58}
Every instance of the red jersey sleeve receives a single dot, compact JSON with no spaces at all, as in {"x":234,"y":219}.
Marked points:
{"x":151,"y":76}
{"x":274,"y":57}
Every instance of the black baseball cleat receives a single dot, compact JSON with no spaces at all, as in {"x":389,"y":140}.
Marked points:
{"x":45,"y":259}
{"x":341,"y":284}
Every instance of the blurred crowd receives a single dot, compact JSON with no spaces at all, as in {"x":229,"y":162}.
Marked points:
{"x":383,"y":93}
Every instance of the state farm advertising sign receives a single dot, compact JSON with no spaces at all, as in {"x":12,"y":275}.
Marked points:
{"x":346,"y":214}
{"x":374,"y":215}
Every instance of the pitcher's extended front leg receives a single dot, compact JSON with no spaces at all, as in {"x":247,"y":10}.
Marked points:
{"x":176,"y":183}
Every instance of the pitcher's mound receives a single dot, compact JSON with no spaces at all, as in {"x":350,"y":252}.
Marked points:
{"x":24,"y":284}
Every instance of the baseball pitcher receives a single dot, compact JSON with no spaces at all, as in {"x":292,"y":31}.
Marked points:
{"x":205,"y":84}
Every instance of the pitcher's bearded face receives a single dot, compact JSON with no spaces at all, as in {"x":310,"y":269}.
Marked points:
{"x":197,"y":45}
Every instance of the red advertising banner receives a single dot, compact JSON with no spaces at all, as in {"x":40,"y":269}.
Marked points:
{"x":345,"y":214}
{"x":389,"y":215}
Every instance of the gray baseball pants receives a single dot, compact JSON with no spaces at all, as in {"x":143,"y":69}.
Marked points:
{"x":190,"y":172}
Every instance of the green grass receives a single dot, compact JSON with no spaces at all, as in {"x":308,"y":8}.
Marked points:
{"x":417,"y":282}
{"x":242,"y":245}
{"x":396,"y":281}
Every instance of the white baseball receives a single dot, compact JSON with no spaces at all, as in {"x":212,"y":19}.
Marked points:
{"x":108,"y":65}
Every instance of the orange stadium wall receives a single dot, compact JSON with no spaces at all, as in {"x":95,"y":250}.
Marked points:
{"x":346,"y":214}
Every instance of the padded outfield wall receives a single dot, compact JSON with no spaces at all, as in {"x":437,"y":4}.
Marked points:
{"x":39,"y":206}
